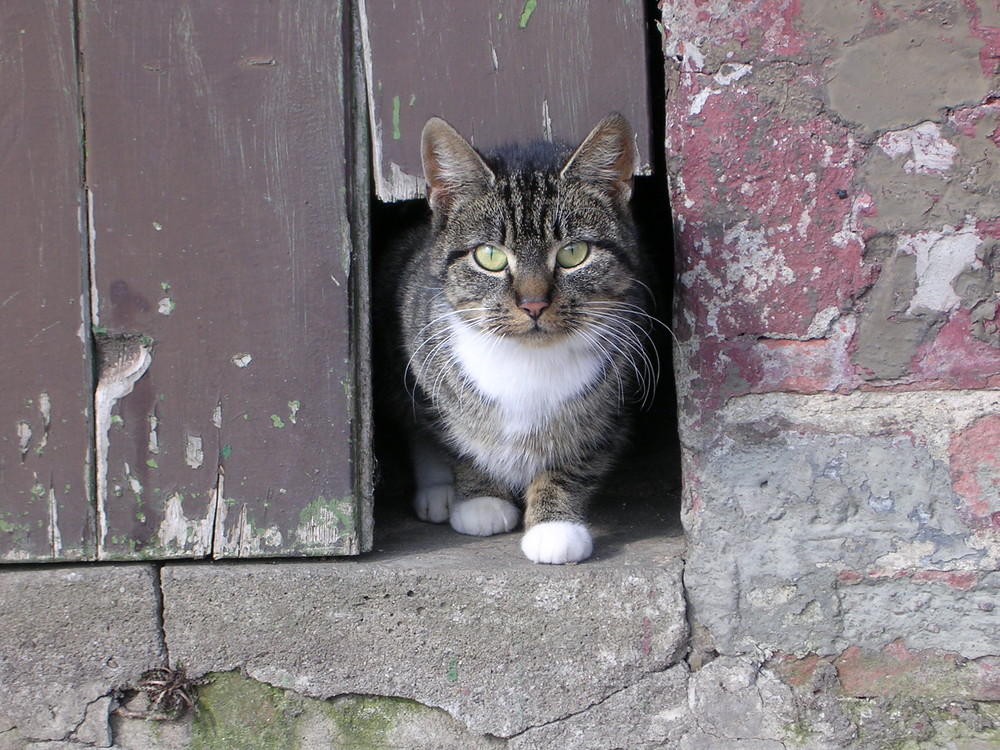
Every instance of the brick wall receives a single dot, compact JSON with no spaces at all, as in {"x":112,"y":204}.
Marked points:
{"x":836,"y":193}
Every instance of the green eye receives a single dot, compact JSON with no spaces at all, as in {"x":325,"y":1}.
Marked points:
{"x":490,"y":257}
{"x":573,"y":254}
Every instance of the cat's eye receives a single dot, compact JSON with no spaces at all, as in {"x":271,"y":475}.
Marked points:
{"x":573,"y":254}
{"x":490,"y":257}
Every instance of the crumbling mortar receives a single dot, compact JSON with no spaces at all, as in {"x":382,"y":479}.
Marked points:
{"x":677,"y":62}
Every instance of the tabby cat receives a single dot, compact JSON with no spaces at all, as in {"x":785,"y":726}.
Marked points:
{"x":521,"y":333}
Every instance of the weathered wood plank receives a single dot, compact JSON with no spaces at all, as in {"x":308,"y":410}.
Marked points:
{"x":498,"y":70}
{"x":216,"y":158}
{"x":45,"y":368}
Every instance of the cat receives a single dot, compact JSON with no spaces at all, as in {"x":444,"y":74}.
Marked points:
{"x":521,"y":330}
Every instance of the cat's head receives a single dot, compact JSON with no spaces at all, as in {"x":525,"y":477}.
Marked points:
{"x":535,"y":242}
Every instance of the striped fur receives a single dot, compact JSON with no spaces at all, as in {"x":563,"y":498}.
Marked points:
{"x":525,"y":411}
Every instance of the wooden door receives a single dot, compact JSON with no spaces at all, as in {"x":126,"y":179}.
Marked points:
{"x":498,"y":71}
{"x":210,"y":172}
{"x":46,"y":510}
{"x":223,"y":258}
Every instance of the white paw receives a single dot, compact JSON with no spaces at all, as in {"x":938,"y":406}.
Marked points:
{"x":557,"y":542}
{"x":484,"y":516}
{"x":434,"y":503}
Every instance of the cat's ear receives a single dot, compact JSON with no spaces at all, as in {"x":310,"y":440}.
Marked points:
{"x":451,"y":165}
{"x":607,"y":157}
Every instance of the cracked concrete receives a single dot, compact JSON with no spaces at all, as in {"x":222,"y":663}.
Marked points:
{"x":73,"y":637}
{"x":463,"y":625}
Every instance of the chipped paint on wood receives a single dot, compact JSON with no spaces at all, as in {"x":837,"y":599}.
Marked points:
{"x":23,"y":438}
{"x":153,"y":445}
{"x":326,"y":523}
{"x":260,"y":98}
{"x":529,"y":8}
{"x":194,"y":455}
{"x":44,"y":316}
{"x":123,"y":360}
{"x":179,"y":534}
{"x":55,"y":536}
{"x":240,"y":538}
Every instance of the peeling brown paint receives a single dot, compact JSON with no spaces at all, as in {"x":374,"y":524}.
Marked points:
{"x":525,"y":97}
{"x":44,"y":318}
{"x":219,"y":184}
{"x":122,"y":360}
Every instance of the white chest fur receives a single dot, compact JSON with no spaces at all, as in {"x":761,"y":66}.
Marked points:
{"x":527,"y":382}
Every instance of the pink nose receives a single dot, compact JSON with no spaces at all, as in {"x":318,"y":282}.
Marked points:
{"x":534,"y":307}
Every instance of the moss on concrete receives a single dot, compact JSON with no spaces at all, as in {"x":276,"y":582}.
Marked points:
{"x":903,"y":724}
{"x":366,"y":722}
{"x":235,"y":711}
{"x":238,"y":712}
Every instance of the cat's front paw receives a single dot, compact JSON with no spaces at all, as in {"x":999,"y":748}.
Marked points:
{"x":557,"y":542}
{"x":485,"y":516}
{"x":434,"y":503}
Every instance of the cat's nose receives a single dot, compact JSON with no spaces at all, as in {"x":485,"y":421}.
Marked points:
{"x":534,"y":307}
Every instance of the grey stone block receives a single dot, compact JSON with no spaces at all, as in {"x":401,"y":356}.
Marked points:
{"x":789,"y":513}
{"x":497,"y":642}
{"x":652,"y":713}
{"x":929,"y":614}
{"x":68,"y":637}
{"x":735,"y":699}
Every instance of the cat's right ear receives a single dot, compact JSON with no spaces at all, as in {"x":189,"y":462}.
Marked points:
{"x":451,"y":165}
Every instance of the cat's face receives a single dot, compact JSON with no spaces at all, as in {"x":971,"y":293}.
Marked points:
{"x":535,"y":245}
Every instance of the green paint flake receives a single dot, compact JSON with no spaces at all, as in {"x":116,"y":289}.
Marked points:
{"x":293,"y":411}
{"x":529,"y":8}
{"x":452,"y":675}
{"x":152,"y":464}
{"x":117,"y":419}
{"x":320,"y":509}
{"x":227,"y":451}
{"x":157,"y":226}
{"x":324,"y":522}
{"x":165,"y":286}
{"x":277,"y":421}
{"x":413,"y":100}
{"x":396,"y":134}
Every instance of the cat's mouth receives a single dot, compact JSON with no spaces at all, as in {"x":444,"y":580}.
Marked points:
{"x":516,"y":325}
{"x":542,"y":329}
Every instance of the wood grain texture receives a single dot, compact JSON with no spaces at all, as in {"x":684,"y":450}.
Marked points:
{"x":45,"y":430}
{"x":498,"y":70}
{"x":216,"y":160}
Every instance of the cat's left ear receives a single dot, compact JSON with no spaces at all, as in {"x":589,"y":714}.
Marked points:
{"x":607,"y":157}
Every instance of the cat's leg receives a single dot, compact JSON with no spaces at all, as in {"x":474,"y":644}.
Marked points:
{"x":435,"y":494}
{"x":484,"y":511}
{"x":554,"y":519}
